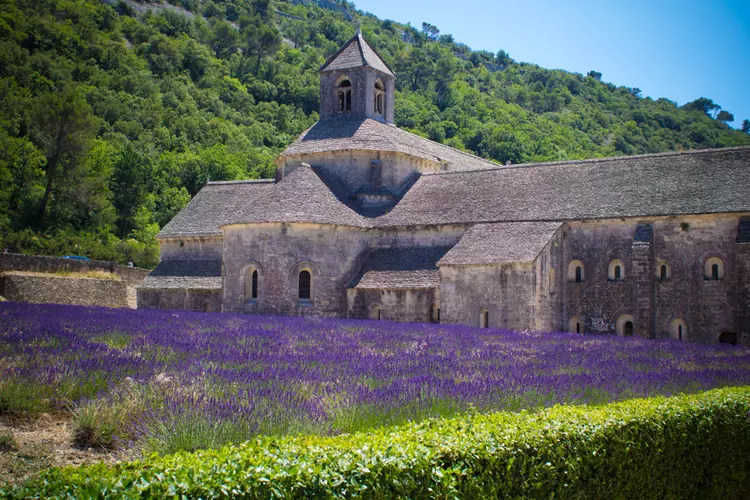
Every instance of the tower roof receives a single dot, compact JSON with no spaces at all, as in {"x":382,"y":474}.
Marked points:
{"x":356,"y":53}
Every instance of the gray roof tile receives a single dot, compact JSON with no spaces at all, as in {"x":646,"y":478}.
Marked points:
{"x":367,"y":134}
{"x":692,"y":182}
{"x":185,"y":274}
{"x":501,"y":243}
{"x":400,"y":268}
{"x":301,"y":196}
{"x":354,"y":54}
{"x":212,"y":205}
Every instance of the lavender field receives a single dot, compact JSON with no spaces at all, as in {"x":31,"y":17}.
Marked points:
{"x":169,"y":380}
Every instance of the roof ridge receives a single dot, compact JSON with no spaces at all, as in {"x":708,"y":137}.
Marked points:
{"x":240,"y":181}
{"x":451,"y":147}
{"x":589,"y":160}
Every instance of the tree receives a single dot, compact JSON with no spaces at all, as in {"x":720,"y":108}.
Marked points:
{"x":725,"y":116}
{"x":703,"y":104}
{"x":262,"y":39}
{"x":430,"y":31}
{"x":62,"y":128}
{"x":746,"y":126}
{"x":595,"y":75}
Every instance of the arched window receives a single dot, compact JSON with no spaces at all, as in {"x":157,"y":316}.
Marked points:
{"x":484,"y":318}
{"x":575,"y":325}
{"x":379,"y":98}
{"x":251,"y":283}
{"x":344,"y":91}
{"x":625,"y":326}
{"x":576,"y":271}
{"x":713,"y":269}
{"x":616,"y":270}
{"x":305,"y":285}
{"x":678,"y":329}
{"x":663,"y":272}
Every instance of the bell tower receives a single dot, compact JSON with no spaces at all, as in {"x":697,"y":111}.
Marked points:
{"x":356,"y":83}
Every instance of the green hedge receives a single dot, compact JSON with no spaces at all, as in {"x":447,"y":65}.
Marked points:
{"x":688,"y":446}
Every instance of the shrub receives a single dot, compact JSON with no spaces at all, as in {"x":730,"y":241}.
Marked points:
{"x":95,"y":426}
{"x":7,"y":441}
{"x":688,"y":446}
{"x":24,"y":400}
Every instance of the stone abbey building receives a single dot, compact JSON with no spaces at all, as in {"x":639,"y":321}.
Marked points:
{"x":365,"y":220}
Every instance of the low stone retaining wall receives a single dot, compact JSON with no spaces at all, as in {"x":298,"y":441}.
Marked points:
{"x":25,"y":287}
{"x":43,"y":264}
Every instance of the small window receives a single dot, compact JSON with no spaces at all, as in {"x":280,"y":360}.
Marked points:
{"x":251,"y":284}
{"x":728,"y":338}
{"x":576,"y":271}
{"x":575,"y":325}
{"x":484,"y":318}
{"x":305,"y":283}
{"x":625,"y":326}
{"x":678,"y":330}
{"x":713,"y":269}
{"x":663,"y":272}
{"x":345,"y":95}
{"x":616,"y":270}
{"x":379,"y":95}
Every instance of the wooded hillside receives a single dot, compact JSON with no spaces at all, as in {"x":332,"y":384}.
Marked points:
{"x":114,"y":113}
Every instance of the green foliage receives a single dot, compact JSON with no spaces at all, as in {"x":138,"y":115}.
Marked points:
{"x":111,"y":117}
{"x":24,"y":400}
{"x":689,"y":446}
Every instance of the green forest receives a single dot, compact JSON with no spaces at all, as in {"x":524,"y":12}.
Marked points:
{"x":114,"y":113}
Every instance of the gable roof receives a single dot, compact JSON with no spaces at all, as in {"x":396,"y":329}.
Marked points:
{"x":301,"y":196}
{"x":211,"y":207}
{"x":400,"y":268}
{"x":354,"y":54}
{"x":501,"y":243}
{"x":691,"y":182}
{"x":367,"y":134}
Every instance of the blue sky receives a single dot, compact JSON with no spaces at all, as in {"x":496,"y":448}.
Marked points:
{"x":680,"y":50}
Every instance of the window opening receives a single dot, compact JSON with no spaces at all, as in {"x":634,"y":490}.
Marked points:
{"x":485,"y":319}
{"x":663,"y":274}
{"x":679,"y":332}
{"x":628,"y":329}
{"x":254,"y":291}
{"x":345,"y":96}
{"x":578,"y":327}
{"x":618,"y":273}
{"x":579,"y":274}
{"x":715,"y":272}
{"x":304,"y":285}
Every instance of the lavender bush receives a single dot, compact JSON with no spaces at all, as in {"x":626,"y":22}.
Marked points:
{"x":170,"y":380}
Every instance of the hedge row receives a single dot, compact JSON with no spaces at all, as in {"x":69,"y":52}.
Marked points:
{"x":688,"y":446}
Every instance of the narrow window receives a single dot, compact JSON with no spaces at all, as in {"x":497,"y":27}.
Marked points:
{"x":254,"y":293}
{"x":484,"y":319}
{"x":715,"y":272}
{"x":304,"y":285}
{"x":679,"y":332}
{"x":378,"y":314}
{"x":341,"y":101}
{"x":579,"y":274}
{"x":438,"y":315}
{"x":618,"y":273}
{"x":578,"y":327}
{"x":348,"y":100}
{"x":663,"y":272}
{"x":628,"y":329}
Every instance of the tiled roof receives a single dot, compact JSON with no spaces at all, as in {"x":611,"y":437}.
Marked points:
{"x":692,"y":182}
{"x":212,"y":205}
{"x":400,"y":268}
{"x":354,"y":54}
{"x":301,"y":196}
{"x":367,"y":134}
{"x":501,"y":243}
{"x":185,"y":274}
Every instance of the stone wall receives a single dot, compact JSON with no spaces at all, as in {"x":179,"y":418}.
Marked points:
{"x":180,"y":299}
{"x":707,"y":307}
{"x":188,"y":248}
{"x":413,"y":305}
{"x":25,"y":287}
{"x":505,"y":291}
{"x":548,"y":287}
{"x":42,"y":264}
{"x":332,"y":255}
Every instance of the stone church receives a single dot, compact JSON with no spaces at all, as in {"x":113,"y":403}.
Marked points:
{"x":365,"y":220}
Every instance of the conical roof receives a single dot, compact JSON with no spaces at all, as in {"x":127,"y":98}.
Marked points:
{"x":356,"y":53}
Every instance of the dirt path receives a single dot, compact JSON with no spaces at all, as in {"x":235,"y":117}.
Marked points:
{"x":42,"y":444}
